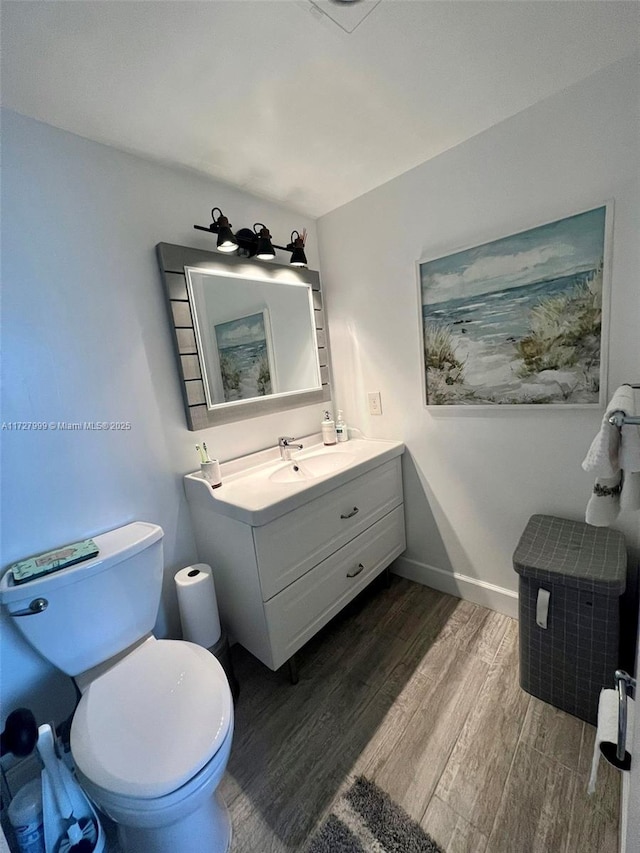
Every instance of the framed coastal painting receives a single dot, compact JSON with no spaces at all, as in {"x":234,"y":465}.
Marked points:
{"x":245,"y":357}
{"x":521,"y":320}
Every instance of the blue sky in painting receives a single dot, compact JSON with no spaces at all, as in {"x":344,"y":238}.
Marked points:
{"x":550,"y":251}
{"x":245,"y":330}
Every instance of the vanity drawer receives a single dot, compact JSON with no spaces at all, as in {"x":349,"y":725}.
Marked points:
{"x":299,"y":611}
{"x":294,"y":543}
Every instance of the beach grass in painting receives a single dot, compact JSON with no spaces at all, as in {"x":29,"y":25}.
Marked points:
{"x":244,"y":358}
{"x":517,"y":320}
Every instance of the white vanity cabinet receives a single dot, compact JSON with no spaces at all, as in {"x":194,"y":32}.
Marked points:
{"x":278,"y":583}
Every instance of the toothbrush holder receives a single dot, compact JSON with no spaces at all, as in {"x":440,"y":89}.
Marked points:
{"x":211,"y":473}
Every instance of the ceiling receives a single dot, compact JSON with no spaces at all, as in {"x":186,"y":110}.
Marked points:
{"x":277,"y":97}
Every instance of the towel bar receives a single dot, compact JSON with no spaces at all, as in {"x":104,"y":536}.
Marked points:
{"x":616,"y":754}
{"x":619,"y":418}
{"x":626,"y":685}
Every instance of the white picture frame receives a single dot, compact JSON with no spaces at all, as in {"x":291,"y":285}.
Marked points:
{"x":255,"y":329}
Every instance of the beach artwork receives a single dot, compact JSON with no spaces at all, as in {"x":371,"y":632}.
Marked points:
{"x":517,"y":320}
{"x":244,"y":357}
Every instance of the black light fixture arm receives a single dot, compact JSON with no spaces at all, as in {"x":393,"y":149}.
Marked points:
{"x":256,"y":242}
{"x":243,"y":241}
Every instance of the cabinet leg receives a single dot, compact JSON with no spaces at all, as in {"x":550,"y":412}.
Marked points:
{"x":387,"y":577}
{"x":293,"y":670}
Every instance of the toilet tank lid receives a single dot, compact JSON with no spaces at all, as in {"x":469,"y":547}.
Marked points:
{"x":116,"y":545}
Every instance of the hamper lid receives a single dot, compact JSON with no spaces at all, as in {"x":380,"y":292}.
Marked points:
{"x":572,"y":553}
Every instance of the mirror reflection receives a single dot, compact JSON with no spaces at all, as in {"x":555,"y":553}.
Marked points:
{"x":256,"y":337}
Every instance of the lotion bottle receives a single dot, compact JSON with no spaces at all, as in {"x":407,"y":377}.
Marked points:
{"x":341,"y":428}
{"x":329,"y":436}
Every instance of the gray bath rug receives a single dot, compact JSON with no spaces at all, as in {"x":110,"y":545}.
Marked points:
{"x":366,"y":820}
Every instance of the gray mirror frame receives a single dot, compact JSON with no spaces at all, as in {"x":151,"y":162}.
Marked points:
{"x":172,"y":260}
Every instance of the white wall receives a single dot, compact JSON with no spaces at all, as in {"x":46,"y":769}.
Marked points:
{"x":86,"y":338}
{"x":474,"y":477}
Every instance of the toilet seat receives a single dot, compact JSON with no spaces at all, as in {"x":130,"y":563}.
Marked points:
{"x":151,"y":722}
{"x":157,"y":811}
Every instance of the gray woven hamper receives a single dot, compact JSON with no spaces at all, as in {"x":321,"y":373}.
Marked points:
{"x":583,"y":569}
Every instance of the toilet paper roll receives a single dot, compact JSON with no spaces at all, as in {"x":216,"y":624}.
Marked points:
{"x":607,"y":730}
{"x":198,"y":605}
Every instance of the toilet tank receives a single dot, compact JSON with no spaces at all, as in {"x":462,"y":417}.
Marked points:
{"x":97,"y":608}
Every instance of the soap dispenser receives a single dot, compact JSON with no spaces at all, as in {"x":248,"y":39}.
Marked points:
{"x":329,"y":436}
{"x":341,"y":428}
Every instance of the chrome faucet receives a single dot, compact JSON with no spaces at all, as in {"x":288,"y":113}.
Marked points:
{"x":285,"y":443}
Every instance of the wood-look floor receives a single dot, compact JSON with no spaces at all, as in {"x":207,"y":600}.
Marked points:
{"x":419,"y":691}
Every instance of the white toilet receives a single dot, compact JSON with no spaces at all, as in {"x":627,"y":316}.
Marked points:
{"x":152,"y":733}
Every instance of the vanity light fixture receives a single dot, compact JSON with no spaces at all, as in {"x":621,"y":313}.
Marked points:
{"x":220,"y":226}
{"x":296,"y":247}
{"x":265,"y":250}
{"x":256,"y":243}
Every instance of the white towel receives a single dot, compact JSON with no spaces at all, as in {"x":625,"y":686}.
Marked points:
{"x":604,"y":504}
{"x":614,"y":457}
{"x":603,"y":457}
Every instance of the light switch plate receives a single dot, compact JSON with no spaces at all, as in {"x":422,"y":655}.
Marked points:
{"x":375,"y":403}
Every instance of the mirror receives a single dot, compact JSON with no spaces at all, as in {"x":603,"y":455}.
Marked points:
{"x":256,"y":338}
{"x":249,"y":336}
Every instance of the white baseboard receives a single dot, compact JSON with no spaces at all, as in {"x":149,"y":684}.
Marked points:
{"x":462,"y":586}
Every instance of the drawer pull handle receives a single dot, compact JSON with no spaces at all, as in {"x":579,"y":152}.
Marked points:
{"x":353,"y":512}
{"x":357,"y":571}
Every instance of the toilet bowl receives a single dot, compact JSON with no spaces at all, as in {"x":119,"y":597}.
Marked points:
{"x":151,"y":737}
{"x":152,"y":733}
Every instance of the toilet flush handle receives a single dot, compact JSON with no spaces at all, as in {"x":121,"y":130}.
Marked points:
{"x":38,"y":605}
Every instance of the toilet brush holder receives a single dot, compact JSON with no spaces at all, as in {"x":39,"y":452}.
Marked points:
{"x":71,"y":824}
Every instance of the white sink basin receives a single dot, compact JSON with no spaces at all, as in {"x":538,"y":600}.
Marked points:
{"x":260,"y":487}
{"x":311,"y":467}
